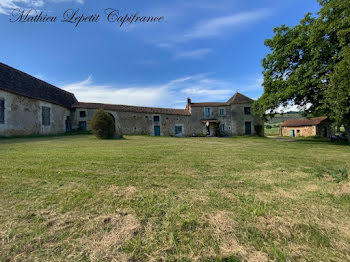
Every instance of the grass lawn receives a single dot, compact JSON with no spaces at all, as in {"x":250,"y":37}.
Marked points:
{"x":76,"y":198}
{"x":274,"y":131}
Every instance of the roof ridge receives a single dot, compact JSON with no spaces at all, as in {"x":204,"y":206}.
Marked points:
{"x":151,"y":107}
{"x":22,"y":72}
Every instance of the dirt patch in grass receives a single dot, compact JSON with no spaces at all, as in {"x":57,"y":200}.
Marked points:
{"x":223,"y":230}
{"x":280,"y":227}
{"x":101,"y":237}
{"x":109,"y":233}
{"x":127,"y":192}
{"x":342,"y":189}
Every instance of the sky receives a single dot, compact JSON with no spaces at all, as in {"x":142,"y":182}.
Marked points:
{"x":205,"y":50}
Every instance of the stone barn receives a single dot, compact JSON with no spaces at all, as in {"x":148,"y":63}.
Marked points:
{"x":317,"y":126}
{"x":31,"y":106}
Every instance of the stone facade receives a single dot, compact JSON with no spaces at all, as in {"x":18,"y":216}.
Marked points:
{"x":320,"y":126}
{"x":299,"y":131}
{"x":23,"y":116}
{"x":231,"y":120}
{"x":31,"y":106}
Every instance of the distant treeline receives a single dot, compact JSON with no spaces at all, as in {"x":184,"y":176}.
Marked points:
{"x":279,"y":118}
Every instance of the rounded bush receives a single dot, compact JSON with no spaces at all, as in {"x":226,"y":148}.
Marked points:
{"x":103,"y":125}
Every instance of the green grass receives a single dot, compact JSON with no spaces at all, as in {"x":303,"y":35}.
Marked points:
{"x":273,"y":130}
{"x":76,"y":198}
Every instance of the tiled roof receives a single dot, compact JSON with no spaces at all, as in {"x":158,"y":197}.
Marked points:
{"x":135,"y":109}
{"x":20,"y":83}
{"x":238,"y":98}
{"x":303,"y":122}
{"x":209,"y":104}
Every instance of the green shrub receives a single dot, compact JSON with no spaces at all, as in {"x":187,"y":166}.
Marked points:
{"x":268,"y":126}
{"x":259,"y":130}
{"x":340,"y":175}
{"x":102,"y":125}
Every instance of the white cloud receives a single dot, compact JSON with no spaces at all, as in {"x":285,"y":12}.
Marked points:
{"x":208,"y":29}
{"x":291,"y":107}
{"x":220,"y":25}
{"x":200,"y":87}
{"x":88,"y":91}
{"x":6,"y":6}
{"x":193,"y":54}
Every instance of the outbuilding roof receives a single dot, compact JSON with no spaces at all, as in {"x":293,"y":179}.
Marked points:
{"x":20,"y":83}
{"x":135,"y":109}
{"x":303,"y":122}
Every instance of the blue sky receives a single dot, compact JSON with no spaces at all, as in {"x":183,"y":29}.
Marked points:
{"x":206,"y":50}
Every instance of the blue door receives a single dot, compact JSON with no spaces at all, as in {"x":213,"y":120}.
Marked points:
{"x":157,"y":130}
{"x":248,"y":128}
{"x":292,"y":133}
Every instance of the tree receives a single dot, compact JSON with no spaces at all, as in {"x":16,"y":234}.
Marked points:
{"x":338,"y":94}
{"x":307,"y":67}
{"x":102,"y":125}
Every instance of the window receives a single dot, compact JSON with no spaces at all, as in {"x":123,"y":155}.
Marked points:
{"x":82,"y":125}
{"x":178,"y":130}
{"x":2,"y":111}
{"x":222,"y":111}
{"x":207,"y":111}
{"x":46,"y":116}
{"x":222,"y":127}
{"x":247,"y":110}
{"x":156,"y":119}
{"x":82,"y":113}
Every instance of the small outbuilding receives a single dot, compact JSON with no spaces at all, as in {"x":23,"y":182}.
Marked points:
{"x":317,"y":126}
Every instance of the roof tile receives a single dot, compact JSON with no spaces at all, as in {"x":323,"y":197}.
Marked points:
{"x":303,"y":122}
{"x":15,"y":81}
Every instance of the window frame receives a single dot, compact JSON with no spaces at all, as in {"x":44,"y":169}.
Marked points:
{"x":82,"y":111}
{"x":154,"y":119}
{"x":223,"y":110}
{"x":222,"y":127}
{"x":209,"y":111}
{"x":247,"y":110}
{"x":2,"y":108}
{"x":43,"y":122}
{"x":176,"y":129}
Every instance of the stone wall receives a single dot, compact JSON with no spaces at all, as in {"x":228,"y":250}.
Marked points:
{"x":23,"y":116}
{"x":323,"y":130}
{"x":299,"y":131}
{"x":132,"y":123}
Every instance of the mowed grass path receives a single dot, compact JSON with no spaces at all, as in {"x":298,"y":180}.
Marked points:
{"x":77,"y":198}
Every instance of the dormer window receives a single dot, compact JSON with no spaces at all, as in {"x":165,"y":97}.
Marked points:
{"x":207,"y":111}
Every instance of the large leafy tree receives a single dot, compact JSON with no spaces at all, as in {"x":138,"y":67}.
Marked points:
{"x":309,"y":65}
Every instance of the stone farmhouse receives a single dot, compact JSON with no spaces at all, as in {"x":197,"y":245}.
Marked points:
{"x":31,"y":106}
{"x":317,"y":126}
